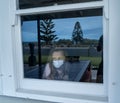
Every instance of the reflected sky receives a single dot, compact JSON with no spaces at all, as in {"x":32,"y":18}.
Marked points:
{"x":92,"y":28}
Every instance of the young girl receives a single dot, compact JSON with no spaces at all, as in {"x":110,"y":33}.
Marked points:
{"x":57,"y":68}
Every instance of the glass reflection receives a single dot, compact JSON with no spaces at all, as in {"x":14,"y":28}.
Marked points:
{"x":63,"y":48}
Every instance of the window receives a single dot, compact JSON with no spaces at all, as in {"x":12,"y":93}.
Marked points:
{"x":67,"y":31}
{"x":32,"y":48}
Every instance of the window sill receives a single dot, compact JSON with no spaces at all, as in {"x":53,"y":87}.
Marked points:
{"x":60,"y":97}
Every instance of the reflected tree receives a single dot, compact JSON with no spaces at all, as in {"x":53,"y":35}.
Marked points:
{"x":77,"y":35}
{"x":47,"y":32}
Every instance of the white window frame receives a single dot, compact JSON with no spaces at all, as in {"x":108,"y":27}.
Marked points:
{"x":51,"y":89}
{"x":1,"y":75}
{"x":0,"y":78}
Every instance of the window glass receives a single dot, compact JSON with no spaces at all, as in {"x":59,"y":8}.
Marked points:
{"x":40,"y":3}
{"x":63,"y":45}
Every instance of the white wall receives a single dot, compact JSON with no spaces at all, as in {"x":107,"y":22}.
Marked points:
{"x":6,"y":48}
{"x":114,"y":56}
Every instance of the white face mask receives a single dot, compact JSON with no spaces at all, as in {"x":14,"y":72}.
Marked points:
{"x":58,"y":63}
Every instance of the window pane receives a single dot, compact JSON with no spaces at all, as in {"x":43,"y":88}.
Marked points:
{"x":40,"y":3}
{"x":63,"y":45}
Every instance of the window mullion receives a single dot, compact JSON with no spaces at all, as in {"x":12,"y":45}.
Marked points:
{"x":59,"y":8}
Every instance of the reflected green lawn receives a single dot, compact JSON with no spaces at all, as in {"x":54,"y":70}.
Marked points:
{"x":94,"y":60}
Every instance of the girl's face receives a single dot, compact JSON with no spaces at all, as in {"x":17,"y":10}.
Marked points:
{"x":58,"y":59}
